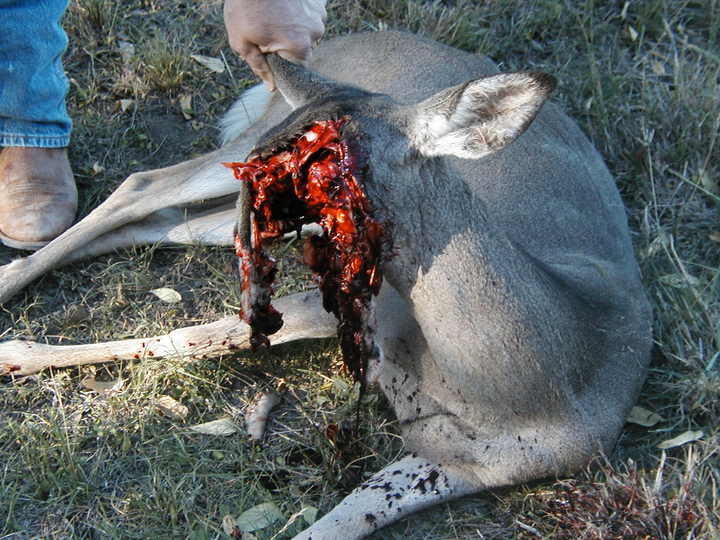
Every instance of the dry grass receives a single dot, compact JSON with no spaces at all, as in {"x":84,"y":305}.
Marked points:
{"x":642,"y":78}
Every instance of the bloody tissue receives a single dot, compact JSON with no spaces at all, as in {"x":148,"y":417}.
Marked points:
{"x":314,"y":180}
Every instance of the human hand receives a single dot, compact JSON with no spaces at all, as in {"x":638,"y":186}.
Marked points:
{"x":288,"y":27}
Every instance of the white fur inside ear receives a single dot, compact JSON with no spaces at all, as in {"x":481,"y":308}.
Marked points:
{"x":452,"y":136}
{"x":488,"y":114}
{"x":247,"y":110}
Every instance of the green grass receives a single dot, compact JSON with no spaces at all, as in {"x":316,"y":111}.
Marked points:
{"x":643,"y":81}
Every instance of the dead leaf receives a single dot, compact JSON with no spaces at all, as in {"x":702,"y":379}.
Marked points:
{"x":259,"y":517}
{"x":661,"y":241}
{"x":657,"y":67}
{"x":166,"y":294}
{"x":125,"y":104}
{"x":77,"y":314}
{"x":623,"y":13}
{"x":643,"y":417}
{"x":216,"y":65}
{"x":230,"y":527}
{"x":684,"y":438}
{"x":186,"y":107}
{"x":309,"y":514}
{"x":257,"y":413}
{"x":96,"y":169}
{"x":715,"y":237}
{"x":332,"y":431}
{"x":633,"y":33}
{"x":222,"y":428}
{"x":707,"y":182}
{"x":127,"y":50}
{"x":171,"y":408}
{"x":108,"y":388}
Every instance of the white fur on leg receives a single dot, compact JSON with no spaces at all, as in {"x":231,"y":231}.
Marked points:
{"x":401,"y":488}
{"x":247,"y":110}
{"x":375,"y":366}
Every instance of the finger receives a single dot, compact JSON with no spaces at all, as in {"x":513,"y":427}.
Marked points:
{"x":317,"y":8}
{"x":290,"y":56}
{"x":316,"y":17}
{"x":258,"y":63}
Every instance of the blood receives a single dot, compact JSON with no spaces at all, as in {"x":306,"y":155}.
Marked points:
{"x":314,"y":179}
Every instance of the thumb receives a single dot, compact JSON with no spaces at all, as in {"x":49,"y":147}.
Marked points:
{"x":303,"y":61}
{"x":258,"y":63}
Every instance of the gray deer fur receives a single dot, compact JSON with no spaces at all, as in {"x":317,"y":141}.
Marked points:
{"x":513,"y":327}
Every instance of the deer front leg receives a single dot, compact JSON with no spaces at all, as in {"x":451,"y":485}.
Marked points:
{"x":303,"y":315}
{"x":183,"y":226}
{"x":203,"y":341}
{"x":398,"y":490}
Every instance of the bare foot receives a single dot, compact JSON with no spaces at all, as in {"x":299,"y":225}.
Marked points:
{"x":38,"y":197}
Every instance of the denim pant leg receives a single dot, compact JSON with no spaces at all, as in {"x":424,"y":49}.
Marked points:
{"x":33,"y":85}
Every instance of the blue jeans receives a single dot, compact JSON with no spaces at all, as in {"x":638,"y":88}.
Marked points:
{"x":33,"y":85}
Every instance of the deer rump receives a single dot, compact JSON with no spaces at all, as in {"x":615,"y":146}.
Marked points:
{"x":314,"y":178}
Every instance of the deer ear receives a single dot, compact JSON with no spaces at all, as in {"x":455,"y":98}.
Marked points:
{"x":297,"y":84}
{"x":479,"y":117}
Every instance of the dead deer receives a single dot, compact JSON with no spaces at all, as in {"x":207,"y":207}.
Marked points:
{"x":512,"y":332}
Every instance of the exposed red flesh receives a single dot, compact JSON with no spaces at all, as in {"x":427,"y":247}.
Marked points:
{"x":314,"y":179}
